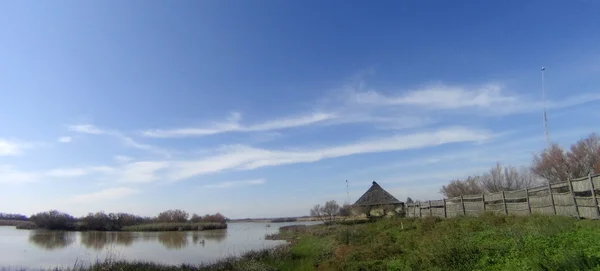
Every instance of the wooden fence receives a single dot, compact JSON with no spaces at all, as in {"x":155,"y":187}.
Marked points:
{"x":575,"y":198}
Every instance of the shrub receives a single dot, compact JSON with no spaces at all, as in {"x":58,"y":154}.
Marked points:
{"x":54,"y":220}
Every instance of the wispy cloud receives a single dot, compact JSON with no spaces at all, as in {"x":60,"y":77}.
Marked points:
{"x":10,"y":148}
{"x":489,"y":98}
{"x":245,"y":157}
{"x":81,"y":171}
{"x":233,"y":125}
{"x":123,"y":158}
{"x":8,"y":175}
{"x":107,"y":194}
{"x":141,"y":172}
{"x":234,"y":184}
{"x":65,"y":139}
{"x":128,"y":141}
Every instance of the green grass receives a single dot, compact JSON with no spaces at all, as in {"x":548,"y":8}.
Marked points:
{"x":488,"y":242}
{"x":185,"y":226}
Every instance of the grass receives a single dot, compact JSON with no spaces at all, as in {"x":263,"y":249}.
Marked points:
{"x":20,"y":224}
{"x":488,"y":242}
{"x":185,"y":226}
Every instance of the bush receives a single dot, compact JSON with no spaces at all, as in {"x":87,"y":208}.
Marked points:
{"x":54,"y":220}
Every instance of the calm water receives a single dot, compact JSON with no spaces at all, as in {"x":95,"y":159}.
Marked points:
{"x":45,"y":249}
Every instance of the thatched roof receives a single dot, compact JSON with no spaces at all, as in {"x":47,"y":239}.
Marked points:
{"x":376,"y":196}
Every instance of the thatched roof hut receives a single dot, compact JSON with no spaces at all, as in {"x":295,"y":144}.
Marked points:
{"x":376,"y":196}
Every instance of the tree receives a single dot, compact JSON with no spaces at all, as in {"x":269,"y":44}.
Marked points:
{"x":584,"y":156}
{"x":409,"y":200}
{"x":346,"y":210}
{"x":170,"y":216}
{"x":508,"y":178}
{"x":53,"y":220}
{"x":195,"y":218}
{"x":455,"y":188}
{"x":327,"y":212}
{"x":551,"y":164}
{"x":555,"y":165}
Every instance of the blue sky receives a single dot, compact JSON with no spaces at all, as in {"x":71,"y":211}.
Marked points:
{"x":265,"y":108}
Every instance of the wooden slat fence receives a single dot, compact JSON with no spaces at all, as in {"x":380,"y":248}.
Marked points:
{"x":577,"y":198}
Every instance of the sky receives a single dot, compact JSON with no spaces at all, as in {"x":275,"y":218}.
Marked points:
{"x":265,"y":108}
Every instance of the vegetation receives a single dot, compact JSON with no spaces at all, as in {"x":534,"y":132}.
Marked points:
{"x":326,"y":213}
{"x":5,"y":216}
{"x":498,"y":178}
{"x":183,"y":226}
{"x":20,"y":224}
{"x":284,"y":219}
{"x":556,"y":165}
{"x":552,"y":165}
{"x":54,"y":220}
{"x":170,"y":220}
{"x":488,"y":242}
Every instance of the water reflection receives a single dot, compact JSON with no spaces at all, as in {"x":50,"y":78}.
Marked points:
{"x":98,"y":240}
{"x":173,"y":240}
{"x":50,"y":240}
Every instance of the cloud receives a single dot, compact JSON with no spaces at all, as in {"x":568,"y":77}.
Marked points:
{"x":10,"y":148}
{"x":123,"y":158}
{"x":77,"y":172}
{"x":10,"y":176}
{"x":245,"y":158}
{"x":141,"y":172}
{"x":103,"y":195}
{"x":86,"y":129}
{"x":233,"y":184}
{"x":233,"y":125}
{"x":65,"y":139}
{"x":439,"y":97}
{"x":487,"y":98}
{"x":128,"y":141}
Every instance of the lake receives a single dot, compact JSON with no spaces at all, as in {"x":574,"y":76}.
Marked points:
{"x":47,"y":249}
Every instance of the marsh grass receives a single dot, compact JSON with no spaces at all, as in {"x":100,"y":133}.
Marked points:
{"x":20,"y":224}
{"x":185,"y":226}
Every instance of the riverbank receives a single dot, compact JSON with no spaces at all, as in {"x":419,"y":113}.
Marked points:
{"x":489,"y":242}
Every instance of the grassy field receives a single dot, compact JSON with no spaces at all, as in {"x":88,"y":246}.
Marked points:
{"x":185,"y":226}
{"x":488,"y":242}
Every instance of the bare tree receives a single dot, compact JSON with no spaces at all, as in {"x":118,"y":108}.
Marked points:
{"x":508,"y":178}
{"x":173,"y":216}
{"x":584,"y":156}
{"x":551,"y":164}
{"x":326,"y":213}
{"x":456,"y":188}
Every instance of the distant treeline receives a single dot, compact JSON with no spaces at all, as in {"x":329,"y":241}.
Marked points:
{"x":101,"y":221}
{"x":19,"y":217}
{"x":284,"y":219}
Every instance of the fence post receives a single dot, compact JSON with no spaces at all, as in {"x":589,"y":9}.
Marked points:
{"x":594,"y":195}
{"x":504,"y":203}
{"x":551,"y":197}
{"x":462,"y":203}
{"x":420,"y":214}
{"x":445,"y":215}
{"x":483,"y":201}
{"x":573,"y":196}
{"x":430,"y":212}
{"x":414,"y":209}
{"x":527,"y":196}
